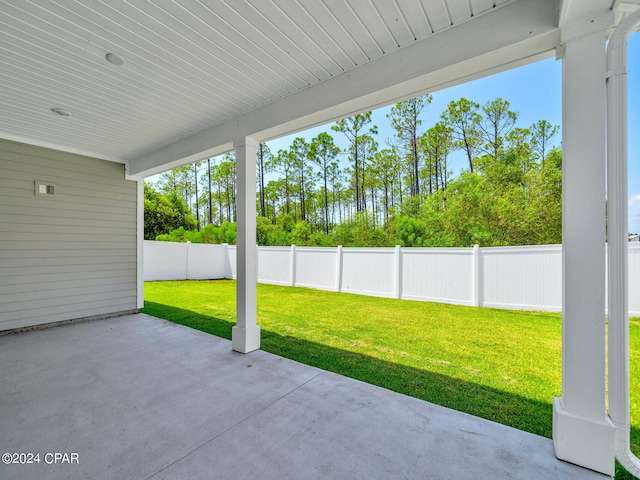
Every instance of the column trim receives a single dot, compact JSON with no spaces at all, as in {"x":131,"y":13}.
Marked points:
{"x":582,"y":440}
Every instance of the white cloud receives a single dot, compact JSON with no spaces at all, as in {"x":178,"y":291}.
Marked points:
{"x":634,"y":213}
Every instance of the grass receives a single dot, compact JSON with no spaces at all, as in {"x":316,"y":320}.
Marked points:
{"x":500,"y":365}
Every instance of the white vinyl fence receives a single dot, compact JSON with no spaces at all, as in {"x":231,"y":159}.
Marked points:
{"x":525,"y":278}
{"x":184,"y":261}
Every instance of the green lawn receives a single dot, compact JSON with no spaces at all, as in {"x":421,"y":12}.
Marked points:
{"x":497,"y":364}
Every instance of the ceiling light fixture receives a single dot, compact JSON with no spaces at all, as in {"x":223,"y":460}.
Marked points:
{"x":59,"y":111}
{"x":114,"y":59}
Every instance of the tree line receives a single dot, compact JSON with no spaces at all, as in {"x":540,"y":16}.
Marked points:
{"x":403,"y":192}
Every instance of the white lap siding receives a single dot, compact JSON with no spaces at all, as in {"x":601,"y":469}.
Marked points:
{"x":70,"y":255}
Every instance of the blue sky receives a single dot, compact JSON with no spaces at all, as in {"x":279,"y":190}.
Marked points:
{"x":535,"y":93}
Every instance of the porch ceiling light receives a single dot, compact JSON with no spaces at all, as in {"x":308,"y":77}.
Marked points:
{"x":114,"y":59}
{"x":59,"y":111}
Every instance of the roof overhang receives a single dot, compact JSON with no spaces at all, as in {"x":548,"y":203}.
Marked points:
{"x":517,"y":33}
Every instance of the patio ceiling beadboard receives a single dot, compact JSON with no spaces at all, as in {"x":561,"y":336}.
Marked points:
{"x":189,"y":65}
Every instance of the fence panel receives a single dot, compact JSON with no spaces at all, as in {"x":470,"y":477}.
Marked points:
{"x":183,"y":261}
{"x":438,"y":275}
{"x":165,"y":261}
{"x":528,"y":277}
{"x":368,"y":271}
{"x":274,"y":265}
{"x":230,"y":265}
{"x":206,"y":261}
{"x":316,"y":267}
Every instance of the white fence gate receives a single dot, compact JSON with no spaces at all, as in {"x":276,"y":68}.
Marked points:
{"x":525,"y":278}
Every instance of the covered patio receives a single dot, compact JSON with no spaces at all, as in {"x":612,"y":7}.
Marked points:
{"x":96,"y":96}
{"x":136,"y":397}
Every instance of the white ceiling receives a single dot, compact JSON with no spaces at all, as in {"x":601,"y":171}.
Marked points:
{"x":196,"y":70}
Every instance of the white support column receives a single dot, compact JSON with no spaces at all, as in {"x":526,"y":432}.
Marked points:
{"x":139,"y":238}
{"x":582,"y":432}
{"x":140,"y":242}
{"x":245,"y":336}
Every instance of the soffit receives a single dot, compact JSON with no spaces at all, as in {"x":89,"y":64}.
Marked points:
{"x":189,"y":65}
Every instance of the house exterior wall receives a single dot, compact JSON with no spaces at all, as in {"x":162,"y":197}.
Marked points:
{"x":67,"y":256}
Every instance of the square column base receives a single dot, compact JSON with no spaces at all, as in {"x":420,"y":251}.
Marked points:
{"x":583,"y":441}
{"x":245,"y":340}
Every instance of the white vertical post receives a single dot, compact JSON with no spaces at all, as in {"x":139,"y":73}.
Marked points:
{"x":476,"y":276}
{"x":582,"y":431}
{"x":186,"y":263}
{"x":245,"y":336}
{"x":292,"y":266}
{"x":398,"y":273}
{"x":140,"y":241}
{"x":227,"y":263}
{"x":339,"y":268}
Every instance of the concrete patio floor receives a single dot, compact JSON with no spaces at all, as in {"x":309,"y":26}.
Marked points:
{"x":136,"y":397}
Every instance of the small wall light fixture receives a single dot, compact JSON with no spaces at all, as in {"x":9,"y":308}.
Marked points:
{"x":45,"y":188}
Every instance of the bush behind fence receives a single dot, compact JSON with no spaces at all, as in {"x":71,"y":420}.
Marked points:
{"x":525,"y":278}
